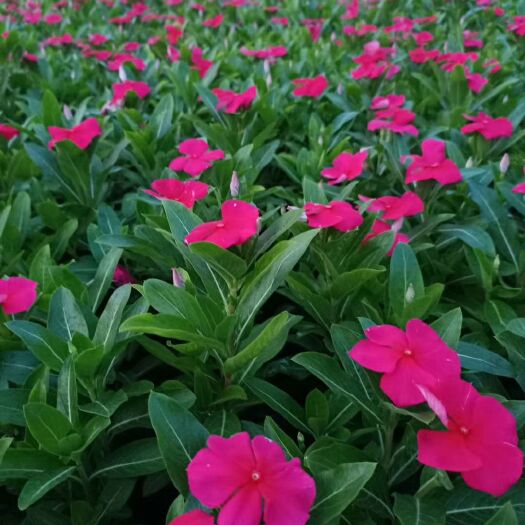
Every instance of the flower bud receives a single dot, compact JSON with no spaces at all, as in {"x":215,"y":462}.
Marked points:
{"x":504,"y":163}
{"x":178,"y":278}
{"x":234,"y":185}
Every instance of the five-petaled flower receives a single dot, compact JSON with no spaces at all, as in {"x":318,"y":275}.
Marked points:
{"x":407,"y":359}
{"x":195,"y":517}
{"x":197,"y":157}
{"x":338,"y":214}
{"x":432,"y":164}
{"x":240,"y":222}
{"x":481,"y":440}
{"x":186,"y":193}
{"x":17,"y":294}
{"x":346,"y":167}
{"x":394,"y":208}
{"x":231,"y":102}
{"x":310,"y":87}
{"x":488,"y":127}
{"x":8,"y":132}
{"x":250,"y":480}
{"x":81,"y":136}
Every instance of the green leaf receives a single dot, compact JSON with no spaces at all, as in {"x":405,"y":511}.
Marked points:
{"x":328,"y":371}
{"x":269,"y":273}
{"x":279,"y":401}
{"x":227,"y":264}
{"x":448,"y":327}
{"x":405,"y":281}
{"x":277,"y":434}
{"x":37,"y":487}
{"x":51,"y":429}
{"x":478,"y":359}
{"x":46,"y":346}
{"x":108,"y":324}
{"x":67,"y":397}
{"x":337,"y":488}
{"x":180,"y":436}
{"x":504,"y":516}
{"x":414,"y":511}
{"x":472,"y":236}
{"x":65,"y":316}
{"x":103,"y":278}
{"x":161,"y":120}
{"x":273,"y":335}
{"x":517,"y":326}
{"x":11,"y":406}
{"x":138,"y":458}
{"x":25,"y":463}
{"x":51,"y":111}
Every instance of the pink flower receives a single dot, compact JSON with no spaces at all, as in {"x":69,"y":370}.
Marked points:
{"x":519,"y":188}
{"x":232,"y":102}
{"x":81,"y":136}
{"x":123,"y":58}
{"x":338,"y":214}
{"x":374,"y":61}
{"x":29,"y":57}
{"x":251,"y":481}
{"x":475,"y":81}
{"x":200,"y":64}
{"x":8,"y":132}
{"x":392,"y":102}
{"x":120,"y":90}
{"x":433,"y":164}
{"x":347,"y":166}
{"x":420,"y":55}
{"x":240,"y":222}
{"x":53,"y":18}
{"x":214,"y":22}
{"x":481,"y":440}
{"x":310,"y":87}
{"x":123,"y":276}
{"x":416,"y":357}
{"x":195,"y":517}
{"x":17,"y":294}
{"x":173,"y":34}
{"x":394,"y":208}
{"x":186,"y":193}
{"x":398,"y":121}
{"x":197,"y":159}
{"x":380,"y":227}
{"x":490,"y":128}
{"x":98,"y":39}
{"x":471,"y":39}
{"x":266,"y":54}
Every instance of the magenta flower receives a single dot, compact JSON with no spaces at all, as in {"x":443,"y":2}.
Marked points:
{"x":197,"y":157}
{"x":476,"y":82}
{"x":519,"y":188}
{"x":398,"y":120}
{"x":123,"y":276}
{"x":214,"y":22}
{"x":17,"y":294}
{"x":251,"y":480}
{"x":338,"y":214}
{"x":232,"y":102}
{"x":310,"y":87}
{"x":433,"y":164}
{"x":390,"y":102}
{"x":186,"y":193}
{"x":416,"y":357}
{"x":488,"y":127}
{"x":240,"y":222}
{"x":375,"y":61}
{"x":195,"y":517}
{"x":120,"y":90}
{"x":8,"y":132}
{"x":394,"y":208}
{"x":200,"y":64}
{"x":81,"y":136}
{"x":380,"y":227}
{"x":346,"y":167}
{"x":481,"y":440}
{"x":266,"y":54}
{"x":119,"y":59}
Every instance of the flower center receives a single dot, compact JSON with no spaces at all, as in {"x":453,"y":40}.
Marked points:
{"x":408,"y":352}
{"x":256,"y":476}
{"x":464,"y":430}
{"x":220,"y":225}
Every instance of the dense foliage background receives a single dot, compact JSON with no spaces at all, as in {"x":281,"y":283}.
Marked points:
{"x":113,"y":381}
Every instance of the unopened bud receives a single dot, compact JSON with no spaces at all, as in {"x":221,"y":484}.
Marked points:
{"x":178,"y":278}
{"x":470,"y":163}
{"x":122,"y":74}
{"x":234,"y":185}
{"x":67,"y":112}
{"x":410,"y":294}
{"x":504,"y":163}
